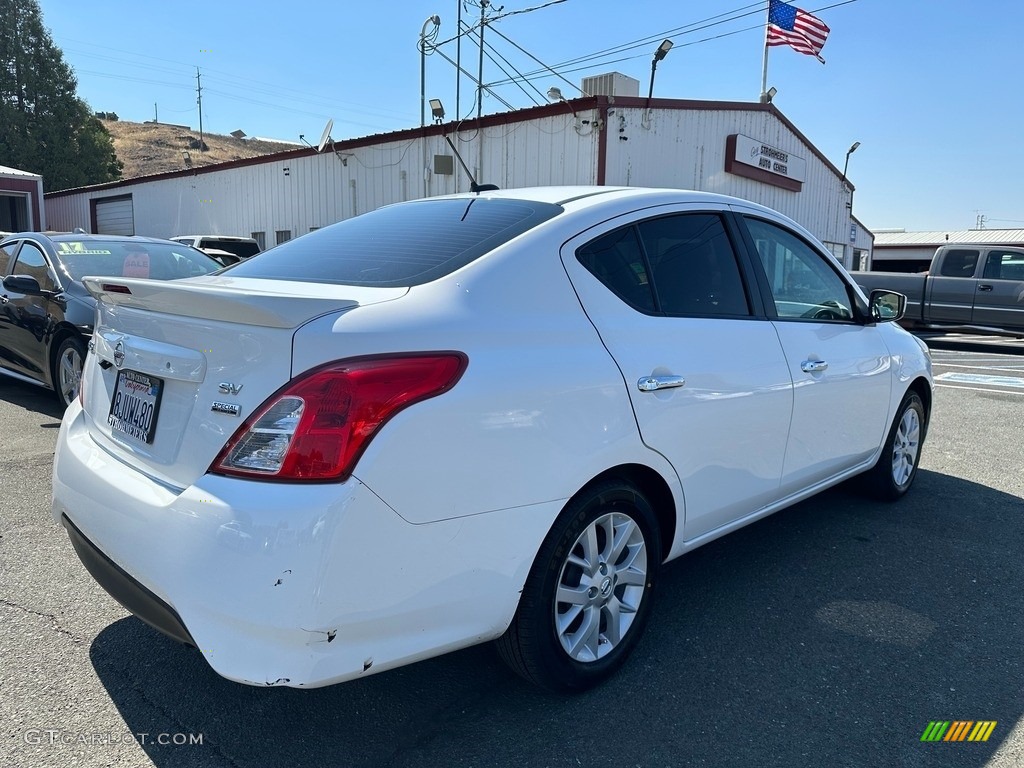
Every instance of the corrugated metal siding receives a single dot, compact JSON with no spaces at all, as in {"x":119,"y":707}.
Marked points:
{"x":686,"y":148}
{"x":935,"y":239}
{"x":675,"y":148}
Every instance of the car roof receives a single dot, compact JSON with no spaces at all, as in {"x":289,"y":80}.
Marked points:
{"x":579,"y":197}
{"x":59,"y":237}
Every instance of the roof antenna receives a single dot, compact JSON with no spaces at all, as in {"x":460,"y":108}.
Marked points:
{"x":437,"y":111}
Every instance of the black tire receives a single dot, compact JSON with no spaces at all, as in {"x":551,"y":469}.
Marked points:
{"x":896,"y":469}
{"x":67,"y":369}
{"x":534,"y":645}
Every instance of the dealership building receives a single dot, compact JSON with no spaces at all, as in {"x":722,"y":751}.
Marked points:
{"x":614,"y":138}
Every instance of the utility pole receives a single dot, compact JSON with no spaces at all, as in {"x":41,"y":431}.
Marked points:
{"x":199,"y":91}
{"x":458,"y":60}
{"x":480,"y":72}
{"x":156,"y":115}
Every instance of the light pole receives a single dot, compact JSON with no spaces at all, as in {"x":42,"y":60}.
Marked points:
{"x":849,"y":152}
{"x":661,"y":53}
{"x":436,"y":21}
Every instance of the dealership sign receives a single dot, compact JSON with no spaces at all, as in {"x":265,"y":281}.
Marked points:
{"x":755,"y":159}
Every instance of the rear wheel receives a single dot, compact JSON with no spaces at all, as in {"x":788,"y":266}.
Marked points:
{"x":894,"y":473}
{"x":588,"y":595}
{"x":67,"y":369}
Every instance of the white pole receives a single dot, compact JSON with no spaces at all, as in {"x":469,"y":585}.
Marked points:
{"x":764,"y":64}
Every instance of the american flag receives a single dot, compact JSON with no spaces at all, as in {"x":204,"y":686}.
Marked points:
{"x":798,"y":29}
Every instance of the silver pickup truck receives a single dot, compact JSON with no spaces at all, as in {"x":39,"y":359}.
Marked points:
{"x":977,"y":288}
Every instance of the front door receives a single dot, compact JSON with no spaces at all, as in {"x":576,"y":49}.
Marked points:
{"x":840,"y":368}
{"x":999,"y":295}
{"x":26,"y":320}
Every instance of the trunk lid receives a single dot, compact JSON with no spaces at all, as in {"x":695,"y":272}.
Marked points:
{"x":177,"y":366}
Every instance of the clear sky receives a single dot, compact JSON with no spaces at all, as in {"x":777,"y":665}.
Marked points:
{"x":931,"y":90}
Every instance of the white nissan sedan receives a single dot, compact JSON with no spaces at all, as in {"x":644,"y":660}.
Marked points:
{"x":481,"y":417}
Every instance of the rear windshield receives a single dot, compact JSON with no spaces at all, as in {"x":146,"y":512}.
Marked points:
{"x":125,"y":258}
{"x":243,"y":249}
{"x":401,"y":245}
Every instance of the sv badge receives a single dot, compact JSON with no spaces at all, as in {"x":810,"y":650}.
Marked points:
{"x":227,"y":388}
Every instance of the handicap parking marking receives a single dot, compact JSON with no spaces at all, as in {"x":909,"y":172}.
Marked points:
{"x":1006,"y":369}
{"x":982,"y":379}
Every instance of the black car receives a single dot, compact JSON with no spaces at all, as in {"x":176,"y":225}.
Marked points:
{"x":46,"y":315}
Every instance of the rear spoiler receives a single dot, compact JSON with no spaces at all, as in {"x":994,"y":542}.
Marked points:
{"x":265,"y":303}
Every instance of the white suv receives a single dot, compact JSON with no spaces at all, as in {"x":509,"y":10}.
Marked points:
{"x":227,"y":249}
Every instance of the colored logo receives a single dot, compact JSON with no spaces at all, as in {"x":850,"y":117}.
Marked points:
{"x":958,"y":730}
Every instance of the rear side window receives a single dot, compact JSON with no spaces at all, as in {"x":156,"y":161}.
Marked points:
{"x":693,"y":266}
{"x":400,"y":245}
{"x":244,"y":249}
{"x":617,"y":261}
{"x":959,"y":263}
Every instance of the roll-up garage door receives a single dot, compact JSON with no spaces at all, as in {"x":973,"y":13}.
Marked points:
{"x":115,"y":216}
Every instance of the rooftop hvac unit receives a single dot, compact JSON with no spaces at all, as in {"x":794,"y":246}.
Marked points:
{"x":611,"y":84}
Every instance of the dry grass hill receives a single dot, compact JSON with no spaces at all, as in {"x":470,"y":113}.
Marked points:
{"x":149,"y":148}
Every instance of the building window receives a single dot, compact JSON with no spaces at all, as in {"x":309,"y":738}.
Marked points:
{"x":282,"y":236}
{"x":836,"y":249}
{"x":260,"y":238}
{"x":313,"y":229}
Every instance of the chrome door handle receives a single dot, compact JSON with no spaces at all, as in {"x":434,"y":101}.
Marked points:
{"x":813,"y":366}
{"x":652,"y":383}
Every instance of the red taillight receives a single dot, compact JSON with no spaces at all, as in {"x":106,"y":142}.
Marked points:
{"x":316,"y":427}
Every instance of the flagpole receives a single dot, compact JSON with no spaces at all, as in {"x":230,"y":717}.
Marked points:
{"x":764,"y":63}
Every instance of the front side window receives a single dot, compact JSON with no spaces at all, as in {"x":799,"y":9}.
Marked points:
{"x":31,"y":261}
{"x":693,"y":266}
{"x":804,"y":286}
{"x":1004,"y":265}
{"x":6,"y":256}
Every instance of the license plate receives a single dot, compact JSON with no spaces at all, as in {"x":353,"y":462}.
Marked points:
{"x":135,"y":405}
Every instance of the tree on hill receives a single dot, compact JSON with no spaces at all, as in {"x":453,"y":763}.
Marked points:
{"x":44,"y":127}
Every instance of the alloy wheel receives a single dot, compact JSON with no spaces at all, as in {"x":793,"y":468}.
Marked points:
{"x":600,"y":587}
{"x":906,"y":446}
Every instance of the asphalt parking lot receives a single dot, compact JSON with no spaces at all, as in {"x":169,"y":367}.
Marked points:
{"x":831,"y":634}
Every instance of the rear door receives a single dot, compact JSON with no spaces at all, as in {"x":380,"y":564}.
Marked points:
{"x":704,"y":369}
{"x":840,"y":368}
{"x":999,"y":295}
{"x":951,"y":291}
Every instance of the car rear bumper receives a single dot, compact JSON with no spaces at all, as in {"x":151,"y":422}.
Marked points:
{"x":125,"y":589}
{"x":286,"y":584}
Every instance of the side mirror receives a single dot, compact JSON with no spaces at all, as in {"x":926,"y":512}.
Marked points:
{"x":25,"y":284}
{"x":887,"y":306}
